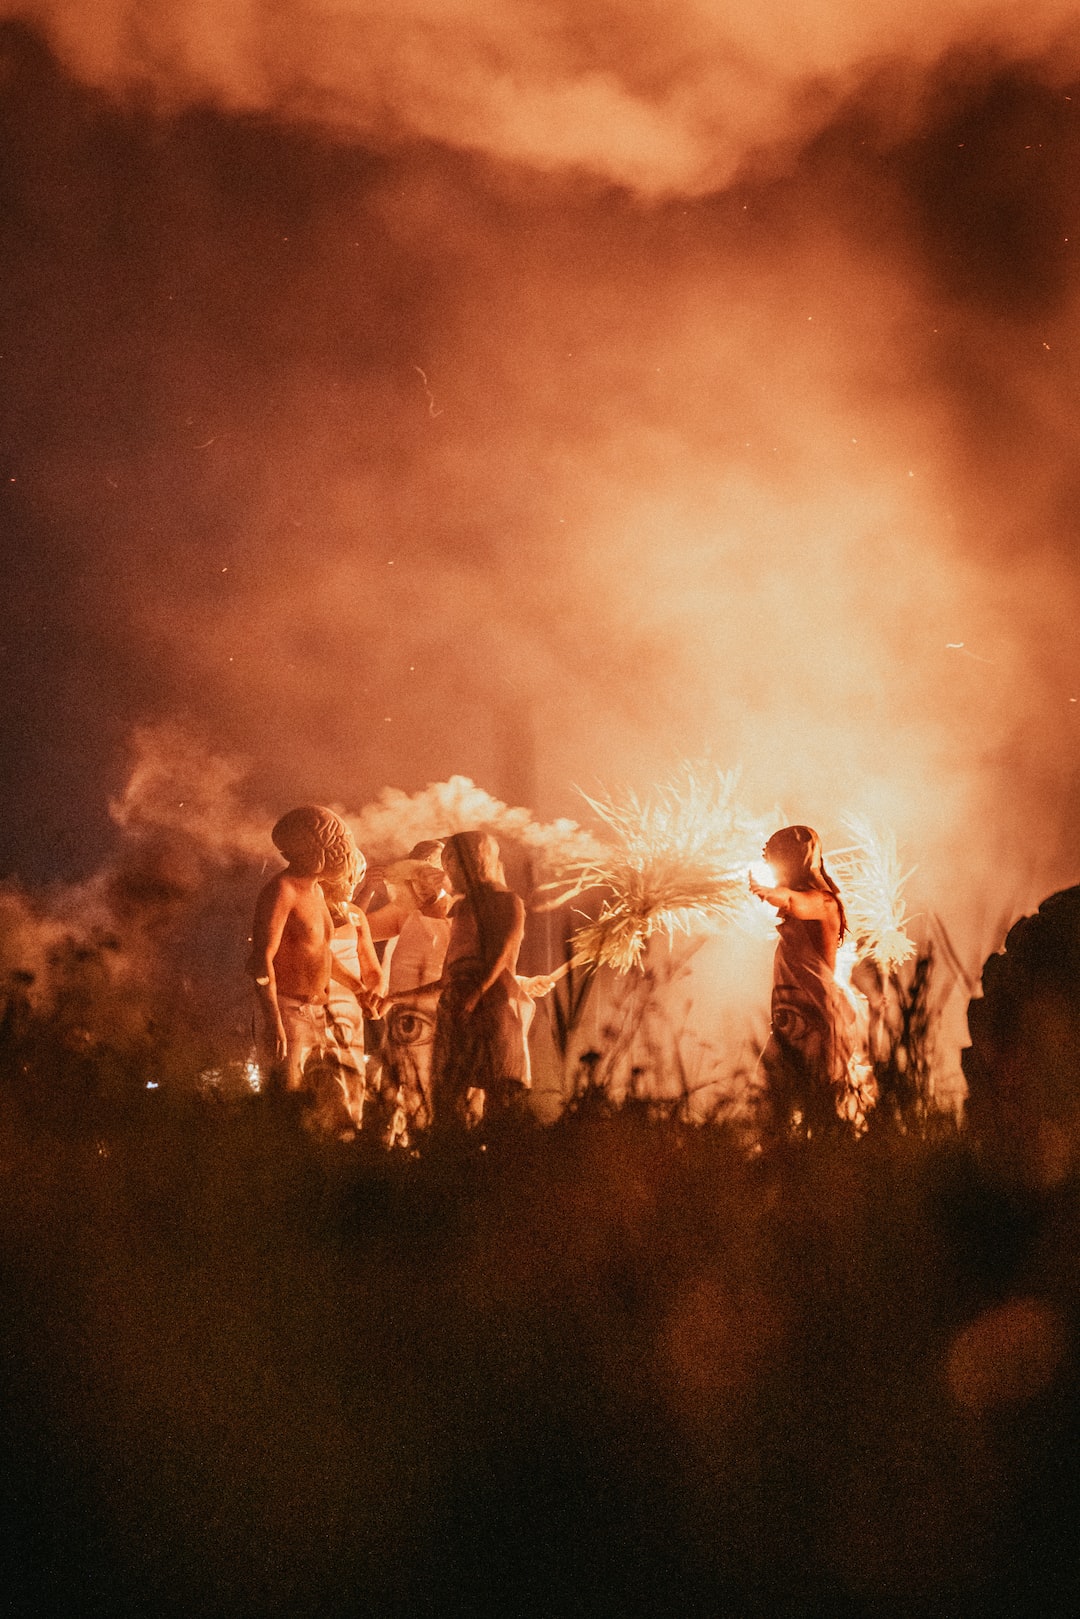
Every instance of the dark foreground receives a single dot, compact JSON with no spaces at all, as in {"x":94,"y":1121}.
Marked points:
{"x":611,"y":1367}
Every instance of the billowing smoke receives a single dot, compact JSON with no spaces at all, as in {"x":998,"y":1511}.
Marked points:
{"x":663,"y":97}
{"x":396,"y":393}
{"x":140,"y":964}
{"x":145,"y":958}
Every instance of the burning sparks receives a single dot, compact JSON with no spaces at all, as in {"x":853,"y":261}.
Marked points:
{"x":960,"y":646}
{"x":678,"y":862}
{"x":432,"y":408}
{"x":872,"y":885}
{"x":675,"y":862}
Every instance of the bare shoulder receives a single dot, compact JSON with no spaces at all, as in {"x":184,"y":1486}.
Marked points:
{"x":280,"y":886}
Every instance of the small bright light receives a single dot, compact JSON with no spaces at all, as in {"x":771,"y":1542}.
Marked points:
{"x":151,"y":1084}
{"x":762,"y":873}
{"x":846,"y":960}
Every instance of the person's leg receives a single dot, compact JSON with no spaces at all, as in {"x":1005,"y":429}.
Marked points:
{"x":448,"y":1059}
{"x":305,"y":1036}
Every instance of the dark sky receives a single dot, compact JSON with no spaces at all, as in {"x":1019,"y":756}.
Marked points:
{"x":494,"y":392}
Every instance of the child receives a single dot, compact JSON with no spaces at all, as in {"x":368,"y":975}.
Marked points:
{"x":416,"y":921}
{"x":355,"y":980}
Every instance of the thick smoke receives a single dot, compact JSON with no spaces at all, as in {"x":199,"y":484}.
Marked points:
{"x":140,"y":964}
{"x":393,"y":395}
{"x":145,"y":958}
{"x":664,"y":97}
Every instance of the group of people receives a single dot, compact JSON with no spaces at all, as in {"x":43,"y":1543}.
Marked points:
{"x":450,"y":1013}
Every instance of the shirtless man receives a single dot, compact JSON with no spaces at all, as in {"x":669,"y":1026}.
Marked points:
{"x":290,"y":947}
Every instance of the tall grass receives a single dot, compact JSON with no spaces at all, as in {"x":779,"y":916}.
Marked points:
{"x":621,"y":1364}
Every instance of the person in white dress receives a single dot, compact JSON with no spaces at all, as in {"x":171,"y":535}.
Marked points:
{"x":415,"y":922}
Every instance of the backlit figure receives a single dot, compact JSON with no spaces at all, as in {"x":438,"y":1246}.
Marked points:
{"x":480,"y":1063}
{"x":805,"y":1063}
{"x":355,"y":981}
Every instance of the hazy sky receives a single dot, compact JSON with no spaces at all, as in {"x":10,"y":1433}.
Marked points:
{"x":383,"y":382}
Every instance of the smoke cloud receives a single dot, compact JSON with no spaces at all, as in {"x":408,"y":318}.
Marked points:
{"x":398,"y":394}
{"x":662,"y":98}
{"x":145,"y":957}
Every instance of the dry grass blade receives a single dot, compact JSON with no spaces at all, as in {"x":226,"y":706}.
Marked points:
{"x":871,"y":882}
{"x":674,"y":862}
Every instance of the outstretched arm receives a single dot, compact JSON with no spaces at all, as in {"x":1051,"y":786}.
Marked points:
{"x":808,"y":904}
{"x":386,"y":922}
{"x":370,"y":966}
{"x":543,"y":984}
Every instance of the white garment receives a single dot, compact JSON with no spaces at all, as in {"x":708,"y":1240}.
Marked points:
{"x":418,"y":952}
{"x":345,"y":1027}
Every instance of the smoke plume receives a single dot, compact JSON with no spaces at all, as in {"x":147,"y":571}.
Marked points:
{"x":661,"y":98}
{"x":397,"y":394}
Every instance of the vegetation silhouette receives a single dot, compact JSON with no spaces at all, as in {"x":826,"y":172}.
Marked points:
{"x":621,"y":1363}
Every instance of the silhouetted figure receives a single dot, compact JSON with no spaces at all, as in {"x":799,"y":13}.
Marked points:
{"x":480,"y":1062}
{"x":805,"y":1063}
{"x":1023,"y":1105}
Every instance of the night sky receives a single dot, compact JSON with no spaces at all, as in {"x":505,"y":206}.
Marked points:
{"x":485,"y":389}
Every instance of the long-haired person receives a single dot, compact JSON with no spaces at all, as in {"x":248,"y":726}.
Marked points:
{"x":479,"y":1060}
{"x":805,"y":1063}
